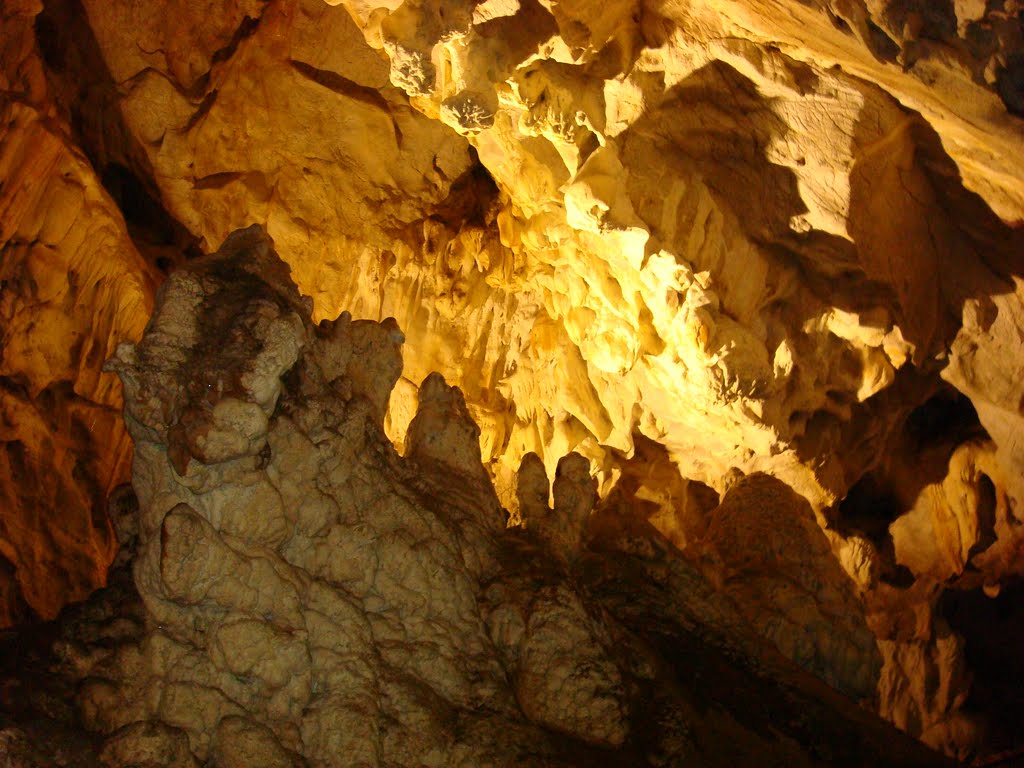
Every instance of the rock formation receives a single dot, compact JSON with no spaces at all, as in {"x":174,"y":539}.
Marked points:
{"x":313,"y":598}
{"x":694,"y":244}
{"x":72,"y":285}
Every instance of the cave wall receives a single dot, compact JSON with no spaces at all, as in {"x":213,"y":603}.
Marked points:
{"x":689,"y":241}
{"x":73,"y":286}
{"x":704,"y":230}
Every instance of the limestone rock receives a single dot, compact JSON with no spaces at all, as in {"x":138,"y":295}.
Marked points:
{"x":148,"y":745}
{"x":187,"y":85}
{"x":73,"y":286}
{"x":963,"y":523}
{"x":312,"y":598}
{"x":668,"y":314}
{"x":770,"y":556}
{"x":575,"y":494}
{"x":687,"y":242}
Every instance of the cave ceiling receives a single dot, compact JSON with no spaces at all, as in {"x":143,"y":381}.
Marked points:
{"x":690,"y":241}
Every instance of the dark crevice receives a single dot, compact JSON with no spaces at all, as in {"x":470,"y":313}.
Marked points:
{"x":986,"y":516}
{"x":838,"y":22}
{"x":245,"y":30}
{"x":1010,"y":84}
{"x":948,"y":416}
{"x":882,"y":46}
{"x":993,"y":630}
{"x":869,"y":508}
{"x":13,"y":601}
{"x":16,"y":385}
{"x":143,"y":213}
{"x":342,"y":85}
{"x":199,"y":89}
{"x":217,"y":180}
{"x":201,"y":111}
{"x":918,"y":455}
{"x":86,"y":95}
{"x":471,"y":199}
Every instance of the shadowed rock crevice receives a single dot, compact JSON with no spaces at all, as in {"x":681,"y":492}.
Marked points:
{"x":87,"y":96}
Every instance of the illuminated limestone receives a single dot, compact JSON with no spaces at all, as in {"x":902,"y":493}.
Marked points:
{"x":310,"y":595}
{"x":72,"y":285}
{"x":695,"y":241}
{"x":756,"y":235}
{"x":685,"y":200}
{"x":710,"y":222}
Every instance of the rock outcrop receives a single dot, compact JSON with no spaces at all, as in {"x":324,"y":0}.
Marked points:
{"x":768,"y":553}
{"x":711,"y":222}
{"x":313,"y":598}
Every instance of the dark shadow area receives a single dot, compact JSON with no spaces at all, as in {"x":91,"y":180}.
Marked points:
{"x":13,"y":608}
{"x":472,"y":198}
{"x":920,"y":244}
{"x":85,"y":92}
{"x":720,"y":692}
{"x":154,"y":232}
{"x":869,"y":508}
{"x":916,"y":456}
{"x":1010,"y":84}
{"x":920,"y":231}
{"x":946,"y":417}
{"x":650,"y":488}
{"x":38,"y":713}
{"x":986,"y":517}
{"x":994,"y":631}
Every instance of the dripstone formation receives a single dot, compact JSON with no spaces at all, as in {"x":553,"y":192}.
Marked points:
{"x":312,"y":598}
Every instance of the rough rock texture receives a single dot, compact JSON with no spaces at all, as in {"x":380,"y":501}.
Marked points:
{"x":41,"y":666}
{"x":312,"y":598}
{"x":772,"y":558}
{"x":689,"y":241}
{"x":708,"y":220}
{"x":72,"y":286}
{"x":723,"y":237}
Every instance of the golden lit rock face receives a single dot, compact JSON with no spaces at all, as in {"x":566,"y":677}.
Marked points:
{"x":280,"y":114}
{"x":725,"y":230}
{"x":696,"y":237}
{"x":688,"y":241}
{"x":73,"y":286}
{"x":754,"y":235}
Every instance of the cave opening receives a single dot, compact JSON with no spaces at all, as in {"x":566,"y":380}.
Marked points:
{"x":947,"y":417}
{"x":918,"y":456}
{"x":165,"y":241}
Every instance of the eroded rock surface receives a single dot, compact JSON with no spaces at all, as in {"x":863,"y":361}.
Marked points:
{"x":772,"y":558}
{"x":688,"y":242}
{"x":72,"y":286}
{"x":313,"y":598}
